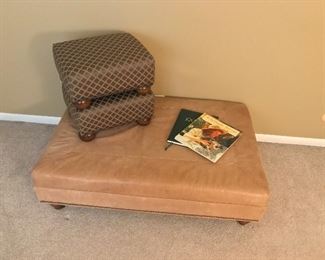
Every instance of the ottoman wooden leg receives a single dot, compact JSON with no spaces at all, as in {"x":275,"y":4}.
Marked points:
{"x":83,"y":104}
{"x":144,"y":122}
{"x":56,"y":206}
{"x":144,"y":90}
{"x":87,"y":137}
{"x":243,"y":223}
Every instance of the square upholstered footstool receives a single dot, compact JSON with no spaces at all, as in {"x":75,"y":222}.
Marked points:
{"x":106,"y":81}
{"x":131,"y":169}
{"x":111,"y":111}
{"x":104,"y":65}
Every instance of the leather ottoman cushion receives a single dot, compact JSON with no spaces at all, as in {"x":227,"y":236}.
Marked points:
{"x":134,"y":164}
{"x":103,"y":65}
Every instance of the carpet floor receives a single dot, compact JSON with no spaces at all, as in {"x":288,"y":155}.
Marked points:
{"x":293,"y":226}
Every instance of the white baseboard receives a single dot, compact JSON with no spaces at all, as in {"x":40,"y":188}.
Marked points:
{"x":50,"y":120}
{"x":54,"y":120}
{"x":280,"y":139}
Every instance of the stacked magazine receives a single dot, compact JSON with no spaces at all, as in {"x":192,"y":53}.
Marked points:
{"x":203,"y":133}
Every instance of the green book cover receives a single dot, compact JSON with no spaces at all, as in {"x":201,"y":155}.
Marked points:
{"x":184,"y":118}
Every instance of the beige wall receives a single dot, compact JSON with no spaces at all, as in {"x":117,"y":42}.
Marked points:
{"x":267,"y":54}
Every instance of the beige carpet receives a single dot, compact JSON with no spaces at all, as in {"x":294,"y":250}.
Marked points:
{"x":293,"y":227}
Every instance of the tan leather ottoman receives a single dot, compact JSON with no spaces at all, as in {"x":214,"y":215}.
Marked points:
{"x":131,"y":169}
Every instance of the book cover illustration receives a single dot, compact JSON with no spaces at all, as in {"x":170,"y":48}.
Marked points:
{"x":184,"y":118}
{"x":208,"y":137}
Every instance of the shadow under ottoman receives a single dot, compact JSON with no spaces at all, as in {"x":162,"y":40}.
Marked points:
{"x":131,"y":169}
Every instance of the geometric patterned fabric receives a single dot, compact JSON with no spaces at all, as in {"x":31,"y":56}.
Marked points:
{"x":103,"y":65}
{"x":106,"y":69}
{"x":111,"y":111}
